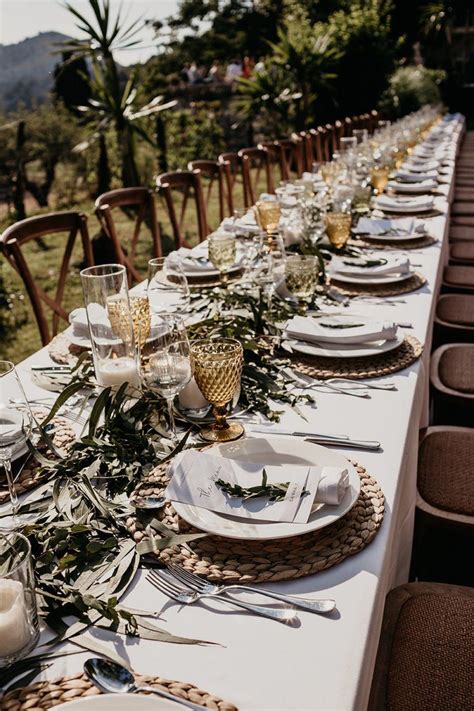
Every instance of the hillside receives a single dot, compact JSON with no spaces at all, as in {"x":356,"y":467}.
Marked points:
{"x":26,"y":69}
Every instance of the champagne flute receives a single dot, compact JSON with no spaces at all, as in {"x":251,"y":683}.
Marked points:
{"x":15,"y":425}
{"x":166,"y":363}
{"x":222,"y":250}
{"x":217,"y":371}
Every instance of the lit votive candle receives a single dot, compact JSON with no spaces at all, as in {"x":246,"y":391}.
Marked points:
{"x":191,"y":398}
{"x":15,"y":631}
{"x":116,"y":371}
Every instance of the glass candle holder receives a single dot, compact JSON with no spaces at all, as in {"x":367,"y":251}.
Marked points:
{"x":217,"y":371}
{"x":222,"y":249}
{"x":19,"y":629}
{"x":109,"y":316}
{"x":301,"y":276}
{"x":338,"y":228}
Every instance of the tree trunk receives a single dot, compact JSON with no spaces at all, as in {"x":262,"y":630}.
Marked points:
{"x":162,"y":145}
{"x":40,"y":191}
{"x":129,"y":170}
{"x":103,"y":168}
{"x":19,"y":176}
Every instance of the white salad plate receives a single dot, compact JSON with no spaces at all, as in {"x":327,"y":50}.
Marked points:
{"x":119,"y":702}
{"x":285,"y":452}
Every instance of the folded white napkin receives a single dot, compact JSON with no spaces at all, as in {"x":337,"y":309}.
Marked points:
{"x":315,"y":178}
{"x":424,"y":186}
{"x":80,"y":325}
{"x":246,"y":224}
{"x":332,"y":486}
{"x":393,"y":265}
{"x":422,"y":202}
{"x":307,"y":329}
{"x":379,"y":227}
{"x":192,"y":260}
{"x":410,"y":177}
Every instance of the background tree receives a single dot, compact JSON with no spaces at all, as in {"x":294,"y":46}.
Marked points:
{"x":72,"y":82}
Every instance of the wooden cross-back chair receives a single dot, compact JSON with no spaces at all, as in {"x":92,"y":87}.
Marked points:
{"x":291,"y":156}
{"x":18,"y":235}
{"x":255,"y":161}
{"x":307,"y":149}
{"x":140,"y":202}
{"x":232,"y":167}
{"x":188,"y":185}
{"x":215,"y":174}
{"x":322,"y":143}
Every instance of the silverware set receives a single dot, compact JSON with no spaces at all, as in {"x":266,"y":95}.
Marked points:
{"x":187,"y":588}
{"x":342,"y":386}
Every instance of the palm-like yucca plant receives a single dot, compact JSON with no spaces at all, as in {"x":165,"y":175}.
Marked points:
{"x":114,"y":102}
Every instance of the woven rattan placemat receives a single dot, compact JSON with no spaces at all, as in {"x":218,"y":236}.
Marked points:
{"x":229,"y":560}
{"x":46,"y":694}
{"x":62,"y":351}
{"x":357,"y":368}
{"x":31,"y":474}
{"x":403,"y":287}
{"x":371,"y":242}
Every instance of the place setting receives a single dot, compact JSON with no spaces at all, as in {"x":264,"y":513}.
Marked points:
{"x":401,"y":233}
{"x":374,"y":273}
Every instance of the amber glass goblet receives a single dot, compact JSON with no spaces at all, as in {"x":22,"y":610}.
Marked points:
{"x":338,"y":228}
{"x":217,"y":371}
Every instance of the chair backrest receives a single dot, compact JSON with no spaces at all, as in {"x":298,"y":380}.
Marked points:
{"x":232,"y":166}
{"x":322,"y":143}
{"x":214,"y":173}
{"x":292,"y":155}
{"x":255,"y":162}
{"x":12,"y":244}
{"x":338,"y":132}
{"x":139,"y":205}
{"x":186,"y":184}
{"x":307,"y":149}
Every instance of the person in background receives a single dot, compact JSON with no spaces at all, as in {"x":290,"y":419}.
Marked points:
{"x":247,"y":67}
{"x":216,"y":72}
{"x":234,"y":70}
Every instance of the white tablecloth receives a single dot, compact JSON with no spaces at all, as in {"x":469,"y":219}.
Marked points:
{"x":326,"y":663}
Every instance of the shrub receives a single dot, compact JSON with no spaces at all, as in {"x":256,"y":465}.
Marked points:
{"x":410,"y":88}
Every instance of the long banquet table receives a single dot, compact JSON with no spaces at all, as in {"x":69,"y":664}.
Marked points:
{"x":325,"y":663}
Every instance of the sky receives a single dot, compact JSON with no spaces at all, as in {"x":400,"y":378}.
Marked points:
{"x":25,"y":18}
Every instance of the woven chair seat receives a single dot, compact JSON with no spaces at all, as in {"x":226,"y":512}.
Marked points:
{"x":464,"y":194}
{"x":446,"y":470}
{"x":459,"y":276}
{"x":456,"y":309}
{"x":461,"y":233}
{"x":467,"y":220}
{"x":462,"y":208}
{"x":456,"y":369}
{"x":463,"y":252}
{"x":426,"y":655}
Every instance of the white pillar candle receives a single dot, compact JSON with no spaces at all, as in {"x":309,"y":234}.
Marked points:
{"x":116,"y":371}
{"x":15,"y":632}
{"x":191,"y":398}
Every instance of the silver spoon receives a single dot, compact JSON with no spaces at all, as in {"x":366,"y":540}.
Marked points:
{"x":148,"y":502}
{"x":112,"y":678}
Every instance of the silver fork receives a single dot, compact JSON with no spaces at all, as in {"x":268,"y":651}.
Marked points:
{"x":355,"y":384}
{"x":186,"y":596}
{"x":304,"y":382}
{"x":321,"y":607}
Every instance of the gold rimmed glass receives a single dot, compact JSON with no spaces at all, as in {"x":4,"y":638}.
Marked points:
{"x":338,"y":228}
{"x":301,"y":276}
{"x":217,"y":371}
{"x":222,"y":250}
{"x":268,"y":215}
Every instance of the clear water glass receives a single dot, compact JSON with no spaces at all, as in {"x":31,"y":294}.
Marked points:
{"x":168,"y":288}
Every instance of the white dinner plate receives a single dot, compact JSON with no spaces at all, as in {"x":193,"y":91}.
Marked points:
{"x":208,"y":271}
{"x":396,"y":238}
{"x":346,"y":350}
{"x":404,"y":208}
{"x":388,"y":279}
{"x":284,"y":451}
{"x":118,"y":702}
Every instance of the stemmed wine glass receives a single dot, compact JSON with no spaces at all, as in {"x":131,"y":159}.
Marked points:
{"x":166,"y":363}
{"x":15,"y":424}
{"x":222,"y":250}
